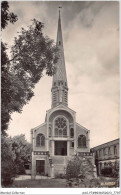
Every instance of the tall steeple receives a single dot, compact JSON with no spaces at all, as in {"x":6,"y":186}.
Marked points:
{"x":59,"y":85}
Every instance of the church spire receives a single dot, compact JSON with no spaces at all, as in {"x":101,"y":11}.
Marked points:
{"x":59,"y":33}
{"x":59,"y":85}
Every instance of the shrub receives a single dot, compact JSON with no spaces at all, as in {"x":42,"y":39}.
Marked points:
{"x":115,"y":173}
{"x":79,"y":168}
{"x":73,"y":169}
{"x":79,"y":173}
{"x":107,"y":171}
{"x":60,"y":176}
{"x":8,"y":172}
{"x":8,"y":168}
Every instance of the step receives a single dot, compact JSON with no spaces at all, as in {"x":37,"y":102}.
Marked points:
{"x":57,"y":160}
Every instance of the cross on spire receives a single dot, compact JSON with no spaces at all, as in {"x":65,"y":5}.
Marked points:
{"x":59,"y":10}
{"x":59,"y":7}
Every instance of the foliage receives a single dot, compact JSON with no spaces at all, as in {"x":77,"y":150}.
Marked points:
{"x":73,"y":168}
{"x":8,"y":168}
{"x":6,"y":15}
{"x":107,"y":171}
{"x":32,"y":53}
{"x":6,"y":76}
{"x":22,"y":151}
{"x":111,"y":170}
{"x":115,"y":169}
{"x":15,"y":153}
{"x":85,"y":183}
{"x":79,"y":172}
{"x":60,"y":175}
{"x":5,"y":85}
{"x":79,"y":168}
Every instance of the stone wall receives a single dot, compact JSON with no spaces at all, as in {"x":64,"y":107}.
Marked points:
{"x":39,"y":157}
{"x":63,"y":113}
{"x":42,"y":129}
{"x":82,"y":131}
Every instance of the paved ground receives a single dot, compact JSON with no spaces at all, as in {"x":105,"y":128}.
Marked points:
{"x":24,"y":181}
{"x":27,"y":177}
{"x":38,"y":183}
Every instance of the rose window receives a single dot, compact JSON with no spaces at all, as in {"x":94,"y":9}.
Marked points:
{"x":60,"y":127}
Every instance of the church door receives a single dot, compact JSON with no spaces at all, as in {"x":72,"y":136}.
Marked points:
{"x":61,"y":148}
{"x":40,"y":167}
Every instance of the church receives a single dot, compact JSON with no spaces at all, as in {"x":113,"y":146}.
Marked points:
{"x":60,"y":137}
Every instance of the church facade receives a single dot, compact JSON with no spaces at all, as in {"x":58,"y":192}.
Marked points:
{"x":60,"y":137}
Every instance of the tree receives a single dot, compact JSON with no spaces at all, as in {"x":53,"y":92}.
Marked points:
{"x":4,"y":86}
{"x":6,"y":15}
{"x":22,"y":151}
{"x":15,"y":153}
{"x":8,"y":168}
{"x":32,"y":53}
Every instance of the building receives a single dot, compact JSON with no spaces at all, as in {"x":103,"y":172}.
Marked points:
{"x":60,"y":137}
{"x":107,"y":157}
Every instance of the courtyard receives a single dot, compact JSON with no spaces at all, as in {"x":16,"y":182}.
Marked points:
{"x":25,"y":181}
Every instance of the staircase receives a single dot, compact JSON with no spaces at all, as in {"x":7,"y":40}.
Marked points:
{"x":59,"y":163}
{"x":58,"y":160}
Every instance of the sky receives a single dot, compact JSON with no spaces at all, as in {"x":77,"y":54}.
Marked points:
{"x":91,"y":46}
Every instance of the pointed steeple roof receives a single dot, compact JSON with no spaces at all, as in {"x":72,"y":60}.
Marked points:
{"x":59,"y":85}
{"x":59,"y":33}
{"x":60,"y":74}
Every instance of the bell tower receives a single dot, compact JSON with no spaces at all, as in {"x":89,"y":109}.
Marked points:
{"x":59,"y":85}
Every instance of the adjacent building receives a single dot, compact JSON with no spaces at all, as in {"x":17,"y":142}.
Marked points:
{"x":107,"y":157}
{"x":60,"y":137}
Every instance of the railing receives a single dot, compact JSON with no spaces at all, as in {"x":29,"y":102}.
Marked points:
{"x":85,"y":154}
{"x":41,"y":152}
{"x":64,"y":136}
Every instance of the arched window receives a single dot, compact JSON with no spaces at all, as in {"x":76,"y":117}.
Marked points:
{"x":82,"y":141}
{"x":71,"y":132}
{"x":40,"y":140}
{"x":60,"y":127}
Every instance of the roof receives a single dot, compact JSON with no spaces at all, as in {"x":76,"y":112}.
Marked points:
{"x":102,"y":145}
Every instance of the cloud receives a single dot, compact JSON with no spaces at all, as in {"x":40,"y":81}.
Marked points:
{"x":95,"y":59}
{"x":91,"y":46}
